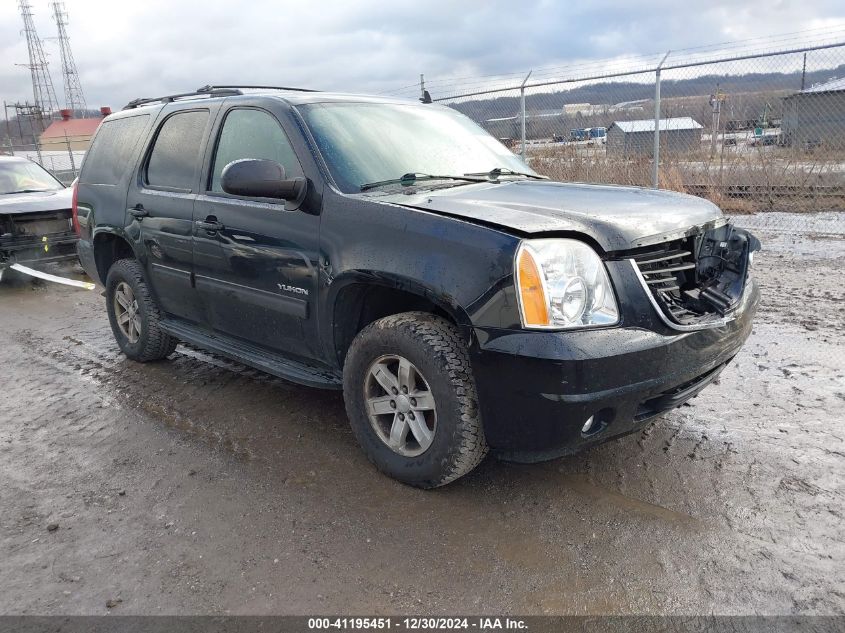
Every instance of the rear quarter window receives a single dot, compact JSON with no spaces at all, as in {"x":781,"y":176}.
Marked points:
{"x":108,"y":159}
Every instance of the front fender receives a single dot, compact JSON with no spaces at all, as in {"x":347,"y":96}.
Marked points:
{"x":443,"y":300}
{"x":331,"y":322}
{"x":462,"y":268}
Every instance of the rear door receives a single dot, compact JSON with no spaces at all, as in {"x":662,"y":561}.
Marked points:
{"x":161,"y":201}
{"x":256,"y":271}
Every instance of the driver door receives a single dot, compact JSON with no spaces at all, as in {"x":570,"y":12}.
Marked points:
{"x":256,"y":263}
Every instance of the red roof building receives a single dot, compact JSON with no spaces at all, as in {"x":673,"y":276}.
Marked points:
{"x":76,"y":131}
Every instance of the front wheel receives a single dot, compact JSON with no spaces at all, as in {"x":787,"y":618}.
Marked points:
{"x":411,"y":399}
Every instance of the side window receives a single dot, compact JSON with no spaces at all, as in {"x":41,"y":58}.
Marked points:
{"x":107,"y":161}
{"x":252,"y":134}
{"x":176,"y":153}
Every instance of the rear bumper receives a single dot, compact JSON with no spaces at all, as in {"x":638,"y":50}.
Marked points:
{"x":537,"y":389}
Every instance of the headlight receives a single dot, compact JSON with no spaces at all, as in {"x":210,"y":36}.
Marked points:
{"x":561,"y":284}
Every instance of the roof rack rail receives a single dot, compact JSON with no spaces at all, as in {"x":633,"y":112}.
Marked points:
{"x":209,"y":91}
{"x":205,"y":91}
{"x":260,"y":88}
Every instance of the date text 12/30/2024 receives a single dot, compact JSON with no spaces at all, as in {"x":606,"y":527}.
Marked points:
{"x":417,"y":623}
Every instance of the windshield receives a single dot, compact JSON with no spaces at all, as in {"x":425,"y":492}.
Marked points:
{"x":371,"y":142}
{"x":19,"y":177}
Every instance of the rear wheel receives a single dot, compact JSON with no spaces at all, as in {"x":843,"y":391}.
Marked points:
{"x":411,"y":399}
{"x":134,"y":315}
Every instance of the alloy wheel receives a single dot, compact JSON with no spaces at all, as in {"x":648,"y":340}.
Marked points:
{"x":126,"y":312}
{"x":400,"y":405}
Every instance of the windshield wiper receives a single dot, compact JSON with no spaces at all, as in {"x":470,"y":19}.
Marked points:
{"x":504,"y":171}
{"x":413,"y":177}
{"x":28,"y":191}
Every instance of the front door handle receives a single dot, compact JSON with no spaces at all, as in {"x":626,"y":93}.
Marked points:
{"x":210,"y":224}
{"x":138,"y":211}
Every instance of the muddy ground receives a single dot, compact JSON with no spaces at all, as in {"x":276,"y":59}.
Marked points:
{"x":196,"y":485}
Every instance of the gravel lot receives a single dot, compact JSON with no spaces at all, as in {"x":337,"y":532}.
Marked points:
{"x":196,"y":485}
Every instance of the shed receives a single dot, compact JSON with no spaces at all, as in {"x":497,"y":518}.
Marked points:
{"x":816,"y":116}
{"x":78,"y":132}
{"x":636,"y":138}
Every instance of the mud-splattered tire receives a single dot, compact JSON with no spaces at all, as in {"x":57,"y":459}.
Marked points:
{"x":152,"y":343}
{"x":433,"y":349}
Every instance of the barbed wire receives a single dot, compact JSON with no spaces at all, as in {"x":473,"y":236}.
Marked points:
{"x":775,"y":44}
{"x":741,"y":131}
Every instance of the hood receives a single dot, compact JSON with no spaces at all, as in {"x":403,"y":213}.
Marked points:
{"x":36,"y":202}
{"x":617,"y":218}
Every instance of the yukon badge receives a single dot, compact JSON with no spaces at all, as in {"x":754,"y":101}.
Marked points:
{"x":293,"y":289}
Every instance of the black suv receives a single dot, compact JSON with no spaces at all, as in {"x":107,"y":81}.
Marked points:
{"x":397,"y":251}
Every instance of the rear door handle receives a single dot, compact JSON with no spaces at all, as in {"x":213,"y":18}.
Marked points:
{"x":138,"y":211}
{"x":210,"y":224}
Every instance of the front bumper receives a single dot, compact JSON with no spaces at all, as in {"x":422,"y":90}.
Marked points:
{"x":44,"y":249}
{"x":537,"y":389}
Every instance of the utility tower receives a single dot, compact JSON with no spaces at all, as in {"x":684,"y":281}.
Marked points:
{"x":74,"y":99}
{"x":42,"y":84}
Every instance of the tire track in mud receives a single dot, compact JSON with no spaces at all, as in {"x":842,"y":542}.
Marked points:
{"x":168,"y":391}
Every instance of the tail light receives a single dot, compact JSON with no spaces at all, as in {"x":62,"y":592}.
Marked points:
{"x":74,"y":208}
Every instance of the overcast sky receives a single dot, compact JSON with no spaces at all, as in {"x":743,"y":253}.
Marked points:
{"x":125,"y":49}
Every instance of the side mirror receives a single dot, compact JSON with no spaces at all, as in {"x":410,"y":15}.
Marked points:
{"x":260,"y":178}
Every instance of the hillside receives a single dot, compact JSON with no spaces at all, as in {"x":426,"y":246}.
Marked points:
{"x":612,"y":92}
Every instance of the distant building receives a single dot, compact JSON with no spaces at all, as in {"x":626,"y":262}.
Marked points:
{"x":636,"y":138}
{"x":629,"y":106}
{"x":816,"y":116}
{"x":589,"y":109}
{"x":77,"y":132}
{"x":583,"y":109}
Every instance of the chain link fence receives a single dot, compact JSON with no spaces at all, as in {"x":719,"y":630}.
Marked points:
{"x":750,"y":130}
{"x":61,"y":157}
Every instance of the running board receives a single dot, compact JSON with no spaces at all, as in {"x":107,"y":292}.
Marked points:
{"x":254,"y":356}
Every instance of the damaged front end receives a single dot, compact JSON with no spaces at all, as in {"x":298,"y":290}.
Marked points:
{"x":37,"y":237}
{"x":697,"y":281}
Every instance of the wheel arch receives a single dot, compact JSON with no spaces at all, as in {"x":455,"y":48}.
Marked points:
{"x":359,"y":298}
{"x":110,"y":246}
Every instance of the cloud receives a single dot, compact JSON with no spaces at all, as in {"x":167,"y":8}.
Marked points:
{"x":129,"y":49}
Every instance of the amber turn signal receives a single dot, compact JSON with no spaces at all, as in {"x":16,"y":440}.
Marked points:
{"x":535,"y":308}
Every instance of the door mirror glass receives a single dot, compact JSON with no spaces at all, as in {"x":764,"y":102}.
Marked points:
{"x":261,"y":178}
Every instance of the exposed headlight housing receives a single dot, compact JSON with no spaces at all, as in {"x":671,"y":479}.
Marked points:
{"x":563,"y":284}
